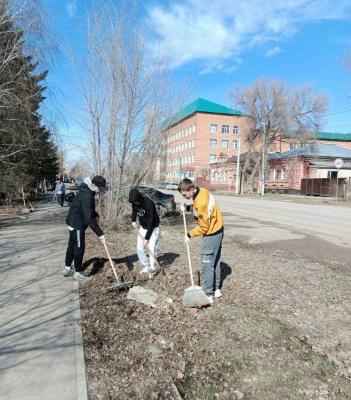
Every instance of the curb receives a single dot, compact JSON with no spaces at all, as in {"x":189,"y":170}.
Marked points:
{"x":82,"y":391}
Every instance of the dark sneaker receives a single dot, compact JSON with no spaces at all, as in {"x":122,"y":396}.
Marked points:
{"x":78,"y":276}
{"x":67,"y":271}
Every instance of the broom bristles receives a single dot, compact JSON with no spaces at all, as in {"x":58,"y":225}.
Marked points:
{"x":194,"y":296}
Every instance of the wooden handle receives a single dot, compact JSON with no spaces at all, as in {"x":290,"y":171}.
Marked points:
{"x":111,"y":262}
{"x":188,"y":251}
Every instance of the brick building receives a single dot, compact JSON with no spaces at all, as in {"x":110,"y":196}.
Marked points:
{"x":289,"y":141}
{"x":311,"y":161}
{"x":196,"y":137}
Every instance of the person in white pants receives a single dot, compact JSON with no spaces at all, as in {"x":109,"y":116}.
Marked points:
{"x":142,"y":247}
{"x":144,"y":209}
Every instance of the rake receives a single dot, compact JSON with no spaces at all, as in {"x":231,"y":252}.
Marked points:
{"x":119,"y":285}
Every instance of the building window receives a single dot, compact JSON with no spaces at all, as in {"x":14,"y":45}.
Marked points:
{"x":225,"y":129}
{"x":194,"y":128}
{"x":193,"y":143}
{"x":235,"y":130}
{"x":236,"y":144}
{"x":225,"y":144}
{"x":214,"y":128}
{"x":293,"y":146}
{"x":213,"y":158}
{"x":332,"y":174}
{"x":213,"y":143}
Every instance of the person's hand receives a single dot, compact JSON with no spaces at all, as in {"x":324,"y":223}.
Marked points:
{"x":102,"y":239}
{"x":134,"y":225}
{"x":186,"y":239}
{"x":182,"y":207}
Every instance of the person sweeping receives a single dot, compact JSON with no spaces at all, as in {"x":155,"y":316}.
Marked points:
{"x":210,"y":226}
{"x":144,"y":209}
{"x":81,"y":215}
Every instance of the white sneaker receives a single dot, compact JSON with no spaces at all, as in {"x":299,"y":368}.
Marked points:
{"x":218,"y":294}
{"x":67,"y":271}
{"x":145,"y":270}
{"x":152,"y":273}
{"x":77,"y":276}
{"x":210,"y":299}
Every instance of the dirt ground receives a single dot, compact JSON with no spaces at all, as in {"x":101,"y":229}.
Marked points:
{"x":280,"y":331}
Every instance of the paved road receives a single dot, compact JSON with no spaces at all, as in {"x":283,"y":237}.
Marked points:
{"x":331,"y":223}
{"x":41,"y":354}
{"x":327,"y":222}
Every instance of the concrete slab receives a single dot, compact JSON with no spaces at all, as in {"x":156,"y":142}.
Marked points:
{"x":41,"y":349}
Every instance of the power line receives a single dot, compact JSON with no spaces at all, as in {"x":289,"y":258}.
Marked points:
{"x":339,"y":112}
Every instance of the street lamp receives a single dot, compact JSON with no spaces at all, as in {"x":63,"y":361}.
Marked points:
{"x":237,"y":189}
{"x":263,"y":158}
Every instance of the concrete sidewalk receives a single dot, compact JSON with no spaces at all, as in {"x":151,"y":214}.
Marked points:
{"x":41,"y":351}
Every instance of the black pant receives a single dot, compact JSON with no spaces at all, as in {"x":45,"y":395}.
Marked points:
{"x":62,"y":199}
{"x":75,"y":249}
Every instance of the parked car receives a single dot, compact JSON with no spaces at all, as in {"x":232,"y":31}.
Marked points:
{"x":169,"y":185}
{"x":164,"y":202}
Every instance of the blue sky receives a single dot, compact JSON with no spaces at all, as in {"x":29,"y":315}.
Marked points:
{"x":219,"y":45}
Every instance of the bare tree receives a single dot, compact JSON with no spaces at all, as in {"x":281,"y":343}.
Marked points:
{"x":125,"y":95}
{"x":276,"y":109}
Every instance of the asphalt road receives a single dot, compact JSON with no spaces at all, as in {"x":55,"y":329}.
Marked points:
{"x":327,"y":222}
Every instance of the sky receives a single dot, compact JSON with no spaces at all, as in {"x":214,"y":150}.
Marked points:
{"x":215,"y":46}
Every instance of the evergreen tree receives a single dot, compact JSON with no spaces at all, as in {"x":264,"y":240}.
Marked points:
{"x":27,"y":154}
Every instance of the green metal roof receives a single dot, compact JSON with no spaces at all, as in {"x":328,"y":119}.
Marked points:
{"x":199,"y":106}
{"x":333,"y":136}
{"x":342,"y":137}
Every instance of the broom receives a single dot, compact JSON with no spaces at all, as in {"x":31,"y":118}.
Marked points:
{"x":194,"y":296}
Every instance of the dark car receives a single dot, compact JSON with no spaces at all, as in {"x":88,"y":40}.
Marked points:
{"x":164,"y":202}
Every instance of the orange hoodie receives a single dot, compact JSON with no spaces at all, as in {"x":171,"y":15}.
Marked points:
{"x":207,"y":213}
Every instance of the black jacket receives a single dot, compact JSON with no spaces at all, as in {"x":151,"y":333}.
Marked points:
{"x":82,"y":211}
{"x":145,"y":209}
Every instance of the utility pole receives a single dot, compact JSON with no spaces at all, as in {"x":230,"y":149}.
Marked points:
{"x":263,"y":158}
{"x":238,"y":182}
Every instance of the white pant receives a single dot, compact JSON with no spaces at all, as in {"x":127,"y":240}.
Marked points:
{"x":148,"y":262}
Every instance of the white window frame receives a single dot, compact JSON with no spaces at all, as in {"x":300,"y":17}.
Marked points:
{"x":224,"y":129}
{"x":212,"y":158}
{"x":216,"y":129}
{"x":235,"y":130}
{"x":227,"y":144}
{"x":236,"y":144}
{"x":212,"y":145}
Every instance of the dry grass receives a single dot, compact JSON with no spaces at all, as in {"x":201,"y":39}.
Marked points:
{"x":280,"y":331}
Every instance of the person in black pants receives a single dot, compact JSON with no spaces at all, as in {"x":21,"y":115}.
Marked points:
{"x":81,"y":215}
{"x":62,"y":195}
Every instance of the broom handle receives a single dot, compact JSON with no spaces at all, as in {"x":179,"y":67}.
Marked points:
{"x":150,"y":251}
{"x":188,"y":251}
{"x":111,"y":263}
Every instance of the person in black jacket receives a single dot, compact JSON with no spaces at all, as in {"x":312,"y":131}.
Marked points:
{"x":81,"y":215}
{"x":144,"y":208}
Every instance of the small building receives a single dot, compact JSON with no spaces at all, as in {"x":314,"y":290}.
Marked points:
{"x":285,"y":171}
{"x":223,"y":173}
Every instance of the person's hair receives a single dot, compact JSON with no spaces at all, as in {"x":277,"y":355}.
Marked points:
{"x":185,"y":185}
